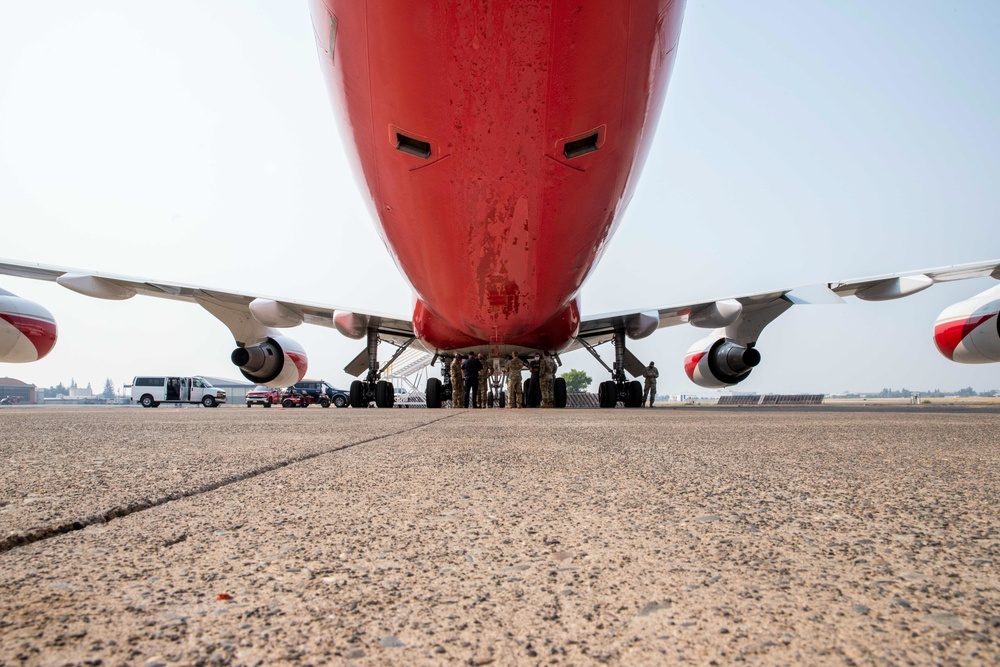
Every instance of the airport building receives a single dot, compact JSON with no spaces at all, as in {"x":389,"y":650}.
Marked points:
{"x":17,"y":389}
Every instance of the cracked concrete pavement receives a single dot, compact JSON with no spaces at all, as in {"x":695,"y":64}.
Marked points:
{"x":500,"y":537}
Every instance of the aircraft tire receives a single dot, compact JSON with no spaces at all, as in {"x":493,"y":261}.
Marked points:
{"x":634,"y":394}
{"x":358,"y":395}
{"x":607,"y":394}
{"x":532,"y":393}
{"x":433,"y":393}
{"x":559,"y":393}
{"x":384,"y":394}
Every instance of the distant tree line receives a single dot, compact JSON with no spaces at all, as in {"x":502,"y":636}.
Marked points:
{"x":967,"y":392}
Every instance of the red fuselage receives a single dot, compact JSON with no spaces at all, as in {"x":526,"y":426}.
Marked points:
{"x":500,"y":142}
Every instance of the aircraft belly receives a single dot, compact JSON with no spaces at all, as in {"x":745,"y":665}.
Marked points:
{"x":491,"y":222}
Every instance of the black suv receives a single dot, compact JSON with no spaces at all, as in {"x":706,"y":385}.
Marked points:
{"x":315,"y":388}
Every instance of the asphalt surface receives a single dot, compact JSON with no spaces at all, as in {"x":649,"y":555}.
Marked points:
{"x":234,"y":536}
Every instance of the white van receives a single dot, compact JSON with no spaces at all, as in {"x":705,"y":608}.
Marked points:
{"x":151,"y":390}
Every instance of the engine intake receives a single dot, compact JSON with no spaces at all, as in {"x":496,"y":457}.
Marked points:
{"x":277,"y":361}
{"x":719,"y":362}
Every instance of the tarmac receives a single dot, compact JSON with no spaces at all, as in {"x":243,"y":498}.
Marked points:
{"x":309,"y":536}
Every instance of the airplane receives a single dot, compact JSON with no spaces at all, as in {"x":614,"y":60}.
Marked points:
{"x":525,"y":181}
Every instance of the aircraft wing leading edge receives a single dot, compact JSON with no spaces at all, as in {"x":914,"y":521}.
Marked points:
{"x":768,"y":305}
{"x":225,"y":305}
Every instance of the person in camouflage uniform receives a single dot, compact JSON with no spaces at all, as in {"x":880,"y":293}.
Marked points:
{"x":484,"y":380}
{"x":547,"y":379}
{"x":649,"y":383}
{"x":515,"y":390}
{"x":457,"y":385}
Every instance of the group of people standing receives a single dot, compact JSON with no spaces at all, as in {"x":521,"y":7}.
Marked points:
{"x":470,"y":379}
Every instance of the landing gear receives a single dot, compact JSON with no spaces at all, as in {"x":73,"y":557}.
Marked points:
{"x":618,"y":388}
{"x":439,"y":391}
{"x":372,"y":389}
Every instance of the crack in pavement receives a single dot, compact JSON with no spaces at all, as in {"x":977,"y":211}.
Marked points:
{"x":47,"y":532}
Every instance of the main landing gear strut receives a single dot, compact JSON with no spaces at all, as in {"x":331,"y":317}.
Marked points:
{"x":618,"y":389}
{"x":372,"y":389}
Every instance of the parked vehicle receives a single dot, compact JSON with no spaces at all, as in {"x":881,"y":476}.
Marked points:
{"x":315,"y":388}
{"x":293,"y":398}
{"x":263,"y":396}
{"x":151,"y":390}
{"x":10,"y":400}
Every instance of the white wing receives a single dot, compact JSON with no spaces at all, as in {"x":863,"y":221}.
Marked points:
{"x":247,"y":315}
{"x":745,"y":316}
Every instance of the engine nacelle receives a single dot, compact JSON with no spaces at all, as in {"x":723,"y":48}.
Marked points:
{"x":27,"y":330}
{"x":969,"y":332}
{"x":719,"y":362}
{"x":277,"y":361}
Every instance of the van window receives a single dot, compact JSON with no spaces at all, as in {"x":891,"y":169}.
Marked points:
{"x":198,"y":383}
{"x":148,"y":382}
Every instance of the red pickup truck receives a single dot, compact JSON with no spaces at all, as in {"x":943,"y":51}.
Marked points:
{"x":263,"y":396}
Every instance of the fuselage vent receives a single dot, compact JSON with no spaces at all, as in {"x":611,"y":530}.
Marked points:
{"x":580,"y":147}
{"x":414,"y":146}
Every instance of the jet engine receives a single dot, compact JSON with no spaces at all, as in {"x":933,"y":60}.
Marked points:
{"x":276,"y":361}
{"x":969,"y":332}
{"x":27,"y":330}
{"x":719,"y":362}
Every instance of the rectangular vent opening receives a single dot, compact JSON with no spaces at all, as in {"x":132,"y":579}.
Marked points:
{"x":580,"y":147}
{"x":412,"y":146}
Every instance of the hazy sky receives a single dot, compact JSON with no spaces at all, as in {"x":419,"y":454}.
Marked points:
{"x":801,"y":142}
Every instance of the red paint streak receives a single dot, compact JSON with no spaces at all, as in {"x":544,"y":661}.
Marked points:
{"x":948,"y":335}
{"x":41,"y":333}
{"x":301,"y":363}
{"x":691,"y":362}
{"x":497,"y":230}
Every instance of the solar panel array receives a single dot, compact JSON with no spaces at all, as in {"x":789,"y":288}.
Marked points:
{"x":743,"y":399}
{"x":772,"y":399}
{"x":582,"y":400}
